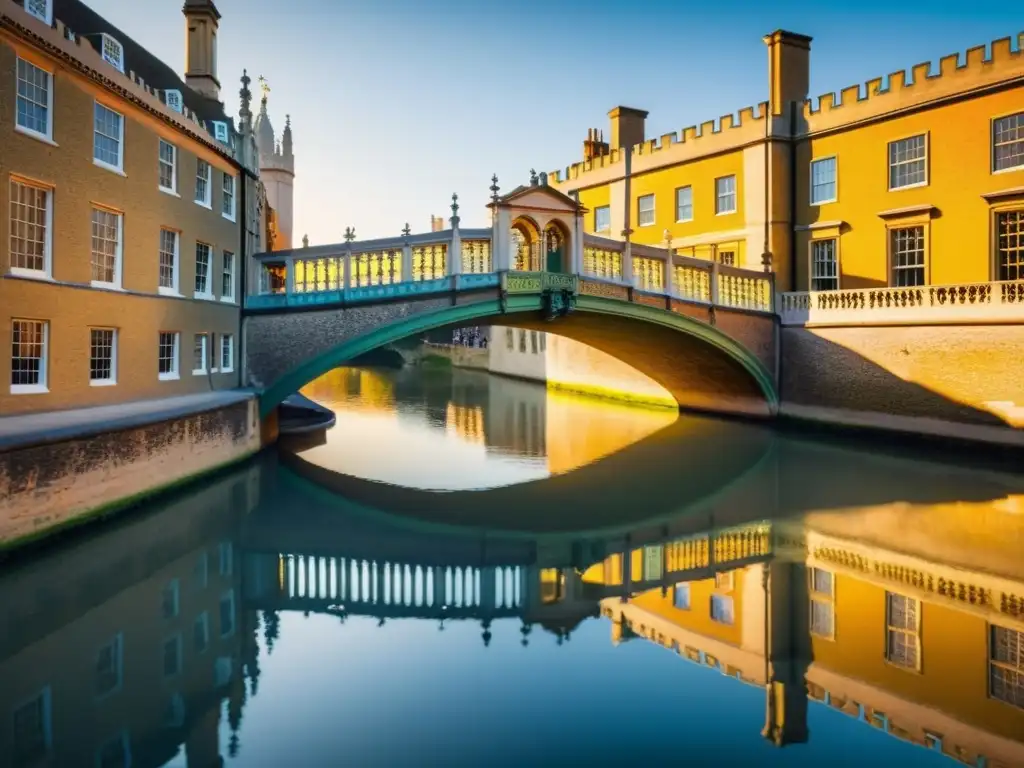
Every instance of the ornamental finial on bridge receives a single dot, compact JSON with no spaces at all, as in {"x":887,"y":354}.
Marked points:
{"x":533,"y":178}
{"x":405,"y":230}
{"x":668,"y":241}
{"x":766,"y":261}
{"x":350,"y":234}
{"x":455,"y":211}
{"x":494,"y":188}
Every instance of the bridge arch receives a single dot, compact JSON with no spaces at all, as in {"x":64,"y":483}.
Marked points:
{"x":703,"y":367}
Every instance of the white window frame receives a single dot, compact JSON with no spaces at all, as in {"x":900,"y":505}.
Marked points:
{"x":835,"y":180}
{"x":681,"y":220}
{"x":206,"y":202}
{"x":112,"y":381}
{"x":47,"y":17}
{"x":992,"y":134}
{"x":608,"y":209}
{"x":118,"y":251}
{"x":172,"y":98}
{"x":1008,"y":667}
{"x":47,"y":720}
{"x":113,"y":44}
{"x":810,"y":261}
{"x":175,"y":288}
{"x":230,"y":216}
{"x":719,"y":196}
{"x":175,"y":373}
{"x":207,"y":293}
{"x":225,"y":558}
{"x":47,"y":271}
{"x":227,"y":345}
{"x":173,"y":189}
{"x":653,"y":211}
{"x":890,"y":164}
{"x":119,"y":168}
{"x":40,"y":387}
{"x":683,"y":587}
{"x":220,"y":131}
{"x":46,"y":135}
{"x":205,"y":338}
{"x":228,"y":298}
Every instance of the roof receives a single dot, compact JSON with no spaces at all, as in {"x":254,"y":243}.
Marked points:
{"x":84,"y":21}
{"x":523,"y":189}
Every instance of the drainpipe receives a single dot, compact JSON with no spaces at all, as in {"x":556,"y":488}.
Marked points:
{"x":792,"y":193}
{"x":627,"y":230}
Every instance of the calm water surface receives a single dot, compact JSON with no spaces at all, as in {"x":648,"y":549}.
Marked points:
{"x":470,"y":571}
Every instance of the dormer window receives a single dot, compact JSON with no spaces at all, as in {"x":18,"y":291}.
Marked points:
{"x":173,"y":100}
{"x":112,"y":52}
{"x":220,"y":131}
{"x":41,"y":9}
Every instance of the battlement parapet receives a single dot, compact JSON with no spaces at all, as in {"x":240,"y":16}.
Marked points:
{"x":727,"y":133}
{"x":918,"y":87}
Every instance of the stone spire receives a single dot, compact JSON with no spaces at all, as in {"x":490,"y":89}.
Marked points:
{"x":264,"y":130}
{"x":286,"y":139}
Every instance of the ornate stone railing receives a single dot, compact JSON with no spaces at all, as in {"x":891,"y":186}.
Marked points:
{"x":452,"y":260}
{"x":971,"y":302}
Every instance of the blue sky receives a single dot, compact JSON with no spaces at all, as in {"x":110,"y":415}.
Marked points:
{"x":396,"y":104}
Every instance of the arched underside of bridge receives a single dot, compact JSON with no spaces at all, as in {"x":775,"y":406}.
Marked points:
{"x":701,"y":366}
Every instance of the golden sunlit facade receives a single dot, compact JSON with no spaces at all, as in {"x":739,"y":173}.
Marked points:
{"x":913,"y":179}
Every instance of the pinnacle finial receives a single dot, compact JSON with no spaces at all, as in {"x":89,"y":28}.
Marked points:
{"x":533,"y":178}
{"x":287,"y":121}
{"x":246,"y":96}
{"x":494,"y":188}
{"x":405,"y":230}
{"x":350,"y":234}
{"x":305,"y":241}
{"x":455,"y":203}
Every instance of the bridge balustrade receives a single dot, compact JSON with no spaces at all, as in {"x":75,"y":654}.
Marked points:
{"x":460,"y":259}
{"x":309,"y":581}
{"x":965,"y":302}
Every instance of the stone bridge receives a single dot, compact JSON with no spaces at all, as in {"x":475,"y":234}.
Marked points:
{"x":706,"y":332}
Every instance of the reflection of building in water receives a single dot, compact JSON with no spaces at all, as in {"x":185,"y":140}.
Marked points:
{"x":120,"y":650}
{"x":359,"y":388}
{"x":559,"y":361}
{"x":515,"y":419}
{"x":466,"y":422}
{"x":928,"y":652}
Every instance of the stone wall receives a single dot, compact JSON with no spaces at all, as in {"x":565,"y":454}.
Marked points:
{"x":46,"y":486}
{"x":952,"y":381}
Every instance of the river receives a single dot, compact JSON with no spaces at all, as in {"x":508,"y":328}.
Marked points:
{"x":469,"y":570}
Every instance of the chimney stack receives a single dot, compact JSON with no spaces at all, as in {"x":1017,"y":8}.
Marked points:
{"x":789,"y":69}
{"x":201,"y":21}
{"x":627,"y":127}
{"x":595,"y":145}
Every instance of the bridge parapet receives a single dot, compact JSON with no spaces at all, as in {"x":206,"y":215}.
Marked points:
{"x":459,"y":260}
{"x":993,"y":302}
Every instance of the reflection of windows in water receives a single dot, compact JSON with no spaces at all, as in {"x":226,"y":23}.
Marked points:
{"x":543,"y":341}
{"x":681,"y":596}
{"x":822,"y":588}
{"x":903,"y":642}
{"x":510,"y":339}
{"x":653,"y":557}
{"x":1006,"y":666}
{"x":522,"y":342}
{"x":32,"y":735}
{"x":533,"y":342}
{"x":108,"y":667}
{"x":721,"y":609}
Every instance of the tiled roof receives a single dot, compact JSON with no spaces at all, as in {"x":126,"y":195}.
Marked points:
{"x":84,"y":21}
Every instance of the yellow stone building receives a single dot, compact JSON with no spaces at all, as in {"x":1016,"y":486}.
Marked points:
{"x":902,"y":181}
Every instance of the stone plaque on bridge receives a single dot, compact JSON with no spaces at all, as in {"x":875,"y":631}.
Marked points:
{"x":524,"y":282}
{"x":604,"y":290}
{"x":556,"y":281}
